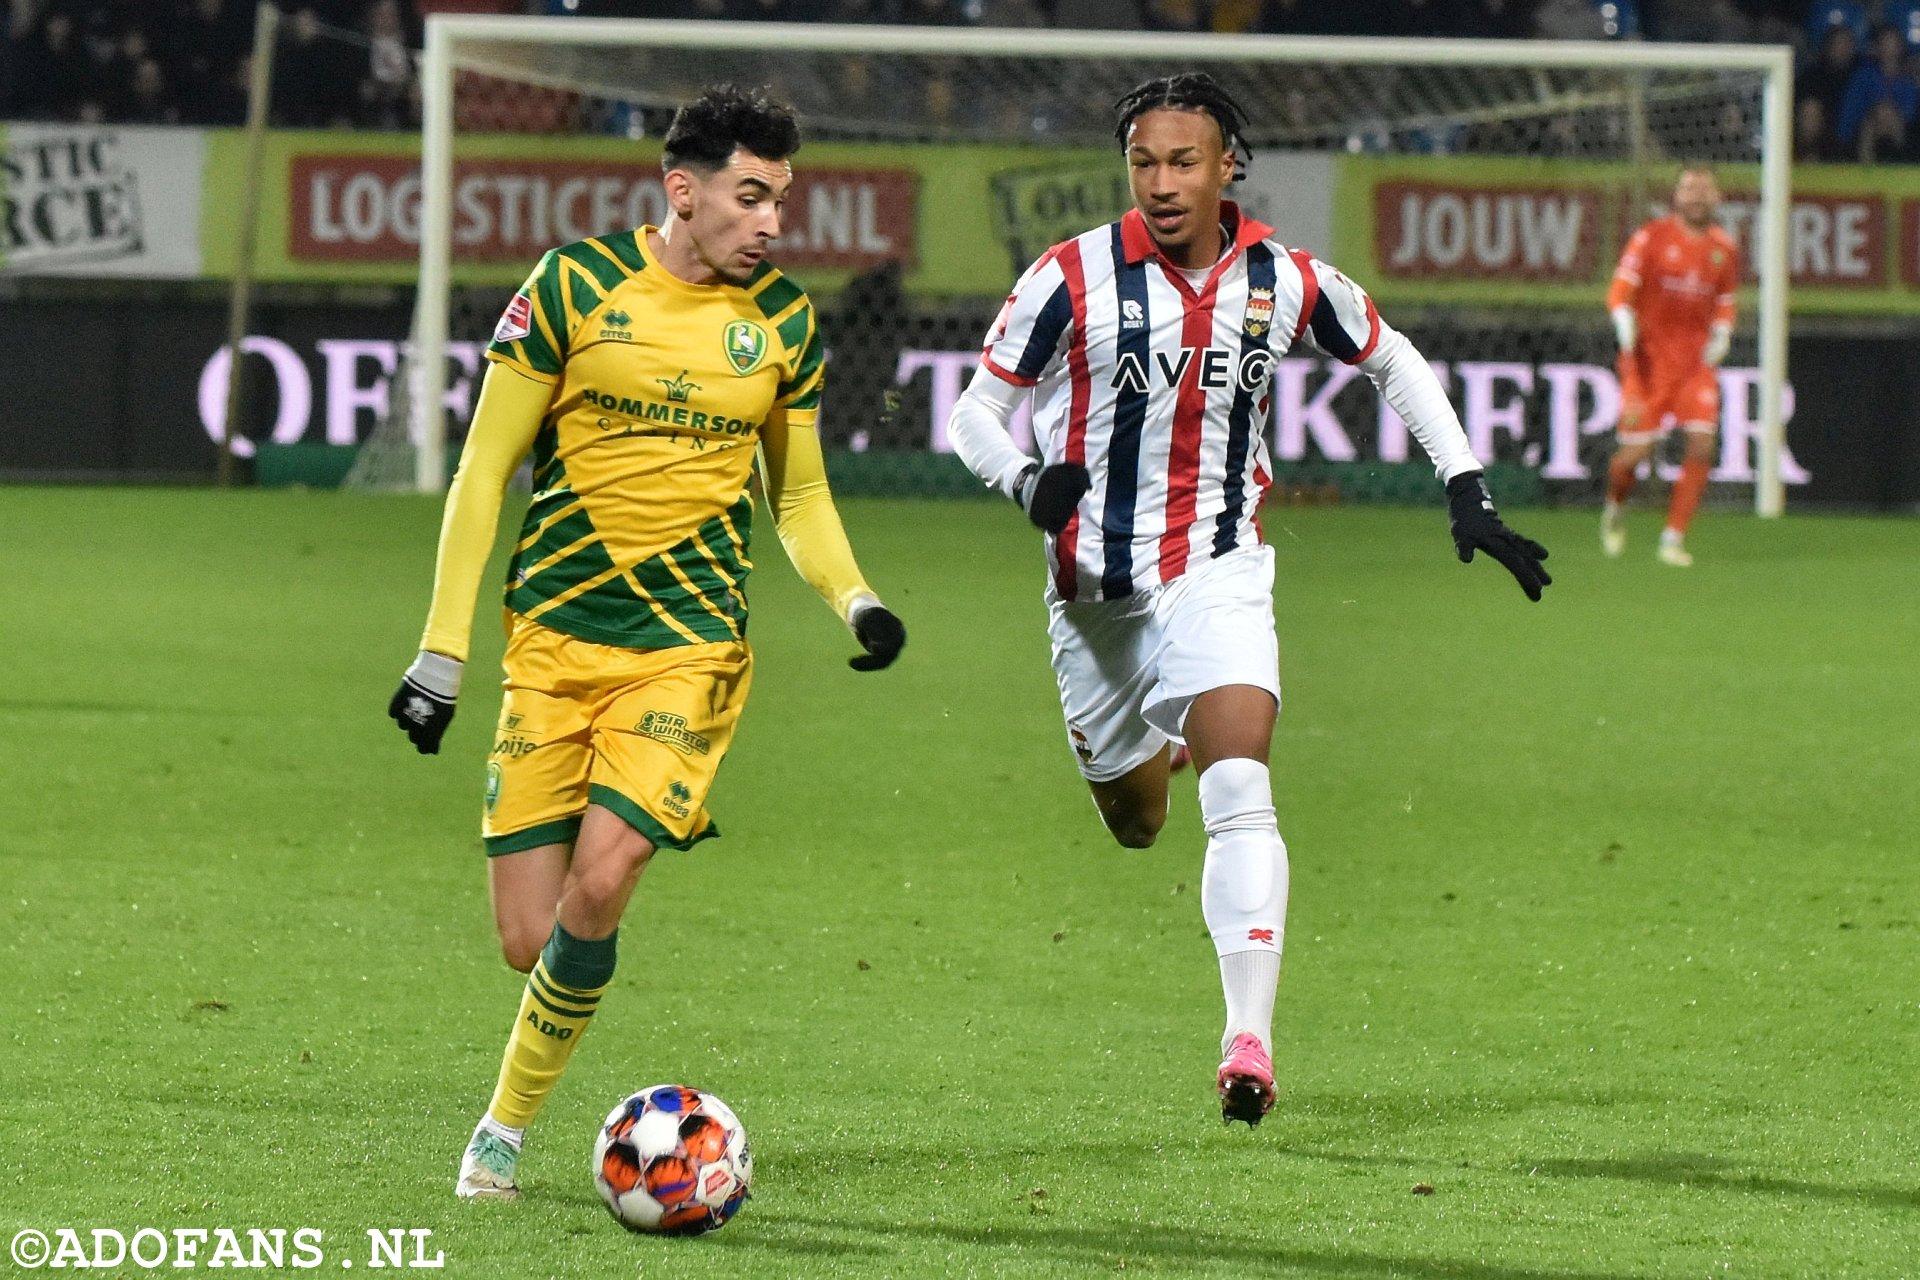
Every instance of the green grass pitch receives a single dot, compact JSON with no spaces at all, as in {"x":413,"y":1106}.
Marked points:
{"x":1605,"y":923}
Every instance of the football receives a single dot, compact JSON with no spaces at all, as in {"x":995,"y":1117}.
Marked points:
{"x":671,"y":1160}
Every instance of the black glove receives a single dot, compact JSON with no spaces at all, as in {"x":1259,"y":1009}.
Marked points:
{"x":880,"y":633}
{"x":1477,"y":527}
{"x":1050,"y":495}
{"x":423,"y":704}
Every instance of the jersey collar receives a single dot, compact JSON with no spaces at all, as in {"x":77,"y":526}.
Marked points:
{"x":660,"y":275}
{"x":1681,"y":225}
{"x":1137,"y":242}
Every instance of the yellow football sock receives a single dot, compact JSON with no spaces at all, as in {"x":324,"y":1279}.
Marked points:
{"x":562,"y":992}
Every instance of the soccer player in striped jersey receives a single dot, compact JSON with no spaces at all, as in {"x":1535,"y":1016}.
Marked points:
{"x":642,"y":371}
{"x":1148,"y":349}
{"x":1672,"y":306}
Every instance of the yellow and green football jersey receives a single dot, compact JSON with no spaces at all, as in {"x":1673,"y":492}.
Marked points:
{"x":638,"y":531}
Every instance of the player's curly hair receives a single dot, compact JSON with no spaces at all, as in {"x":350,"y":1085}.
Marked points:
{"x":1188,"y":91}
{"x":705,"y":132}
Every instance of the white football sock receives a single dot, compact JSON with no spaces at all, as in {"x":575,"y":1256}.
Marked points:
{"x":1250,"y":979}
{"x":1243,"y":891}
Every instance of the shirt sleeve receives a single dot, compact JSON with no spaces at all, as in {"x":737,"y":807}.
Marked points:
{"x":1337,"y":317}
{"x":1723,"y":304}
{"x":531,"y":337}
{"x":978,"y":429}
{"x":1032,"y":327}
{"x":504,"y":424}
{"x":799,"y":393}
{"x":1406,"y":382}
{"x":794,"y":471}
{"x":1624,"y":290}
{"x":1625,"y":286}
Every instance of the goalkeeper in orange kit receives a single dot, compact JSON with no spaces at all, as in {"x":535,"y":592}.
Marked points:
{"x":1672,"y":307}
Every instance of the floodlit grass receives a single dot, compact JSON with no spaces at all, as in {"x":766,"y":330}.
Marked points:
{"x":1605,"y":923}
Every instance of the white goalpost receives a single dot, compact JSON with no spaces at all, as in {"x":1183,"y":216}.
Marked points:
{"x":1518,"y":117}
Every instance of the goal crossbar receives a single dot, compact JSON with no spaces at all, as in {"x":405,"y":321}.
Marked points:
{"x":1053,"y":43}
{"x":449,"y":36}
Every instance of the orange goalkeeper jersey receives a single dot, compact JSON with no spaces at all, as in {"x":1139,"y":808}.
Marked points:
{"x":1679,"y":282}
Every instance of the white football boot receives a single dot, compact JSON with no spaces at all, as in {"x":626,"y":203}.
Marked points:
{"x":1673,"y":550}
{"x":486,"y":1170}
{"x":1613,"y":530}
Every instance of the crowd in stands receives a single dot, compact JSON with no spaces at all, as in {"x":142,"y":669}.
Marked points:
{"x":342,"y":63}
{"x":1765,"y":20}
{"x":1856,"y":92}
{"x":348,"y":63}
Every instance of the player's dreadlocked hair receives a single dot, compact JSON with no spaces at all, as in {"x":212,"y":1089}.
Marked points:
{"x":1189,"y":91}
{"x":705,"y":131}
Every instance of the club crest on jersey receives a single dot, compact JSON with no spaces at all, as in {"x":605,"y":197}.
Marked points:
{"x":1259,"y":312}
{"x":746,"y":346}
{"x":517,"y":321}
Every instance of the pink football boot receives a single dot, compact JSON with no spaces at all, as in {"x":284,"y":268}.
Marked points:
{"x":1246,"y":1081}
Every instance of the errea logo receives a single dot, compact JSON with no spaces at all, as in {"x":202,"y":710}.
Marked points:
{"x":619,"y":326}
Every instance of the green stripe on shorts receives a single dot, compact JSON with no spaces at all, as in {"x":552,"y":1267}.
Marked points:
{"x":645,"y":823}
{"x":559,"y":831}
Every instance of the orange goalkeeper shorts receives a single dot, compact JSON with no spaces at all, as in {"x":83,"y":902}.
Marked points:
{"x":1651,"y":393}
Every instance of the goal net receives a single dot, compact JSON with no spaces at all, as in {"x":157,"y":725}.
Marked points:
{"x":1480,"y":190}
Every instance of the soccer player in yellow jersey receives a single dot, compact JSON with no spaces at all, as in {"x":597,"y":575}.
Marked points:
{"x":641,"y":370}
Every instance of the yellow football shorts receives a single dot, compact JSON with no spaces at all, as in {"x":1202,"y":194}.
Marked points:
{"x":638,"y":731}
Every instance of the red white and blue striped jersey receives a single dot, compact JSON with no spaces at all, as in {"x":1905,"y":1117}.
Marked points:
{"x":1162,"y":389}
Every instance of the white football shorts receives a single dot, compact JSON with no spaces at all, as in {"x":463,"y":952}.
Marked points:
{"x":1129,"y":669}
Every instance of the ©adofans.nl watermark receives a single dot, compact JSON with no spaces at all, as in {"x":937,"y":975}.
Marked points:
{"x":241,"y":1248}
